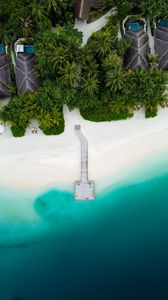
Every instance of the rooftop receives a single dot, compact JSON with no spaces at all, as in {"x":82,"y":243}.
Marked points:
{"x":161,"y":45}
{"x":136,"y":55}
{"x":5,"y":78}
{"x":82,"y":8}
{"x":27,"y":80}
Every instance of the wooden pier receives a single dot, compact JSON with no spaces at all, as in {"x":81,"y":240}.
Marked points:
{"x":84,"y":188}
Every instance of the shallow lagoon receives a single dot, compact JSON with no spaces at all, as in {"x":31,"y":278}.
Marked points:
{"x":113,"y":248}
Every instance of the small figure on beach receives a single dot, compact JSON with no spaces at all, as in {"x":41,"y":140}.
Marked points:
{"x":34,"y":130}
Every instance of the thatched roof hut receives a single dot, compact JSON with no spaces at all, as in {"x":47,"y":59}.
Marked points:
{"x":136,"y":55}
{"x":82,"y":8}
{"x":27,"y":80}
{"x":5,"y":78}
{"x":161,"y":46}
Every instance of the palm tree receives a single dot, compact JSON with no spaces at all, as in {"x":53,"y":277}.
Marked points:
{"x":101,"y":42}
{"x":123,"y":8}
{"x":37,"y":11}
{"x":51,"y":5}
{"x":4,"y":36}
{"x":26,"y":26}
{"x":69,"y":74}
{"x":90,"y":85}
{"x":29,"y":105}
{"x":59,"y":57}
{"x":7,"y":36}
{"x":49,"y":119}
{"x":86,"y":55}
{"x":112,"y":60}
{"x":45,"y":119}
{"x":56,"y":116}
{"x":153,"y":9}
{"x":115,"y":79}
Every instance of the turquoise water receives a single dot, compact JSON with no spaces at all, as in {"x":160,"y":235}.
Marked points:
{"x":113,"y":248}
{"x":2,"y":48}
{"x":29,"y":49}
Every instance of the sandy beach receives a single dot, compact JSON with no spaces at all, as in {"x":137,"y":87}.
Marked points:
{"x":37,"y":161}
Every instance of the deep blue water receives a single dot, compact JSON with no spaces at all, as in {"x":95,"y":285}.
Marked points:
{"x":113,"y":248}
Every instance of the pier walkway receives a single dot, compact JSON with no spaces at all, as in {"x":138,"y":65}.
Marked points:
{"x":84,"y":189}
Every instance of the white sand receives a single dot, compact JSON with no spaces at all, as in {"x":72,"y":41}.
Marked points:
{"x":37,"y":161}
{"x":88,"y":28}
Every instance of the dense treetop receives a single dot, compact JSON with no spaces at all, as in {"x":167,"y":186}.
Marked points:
{"x":90,"y":77}
{"x":25,"y":17}
{"x":29,"y":17}
{"x":148,"y":8}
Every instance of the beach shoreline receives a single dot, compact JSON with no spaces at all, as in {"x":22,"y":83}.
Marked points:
{"x":37,"y":161}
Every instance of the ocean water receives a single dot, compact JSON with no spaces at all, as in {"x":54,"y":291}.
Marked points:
{"x":116,"y":247}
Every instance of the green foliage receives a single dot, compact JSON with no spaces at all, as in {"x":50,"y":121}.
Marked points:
{"x":58,"y":54}
{"x":18,"y":131}
{"x":113,"y":93}
{"x":147,"y":88}
{"x":26,"y":26}
{"x":50,"y":95}
{"x":18,"y":111}
{"x":49,"y":102}
{"x":115,"y":79}
{"x":89,"y":84}
{"x":153,"y":59}
{"x":102,"y":113}
{"x":38,"y":12}
{"x":122,"y":45}
{"x":85,"y":102}
{"x":91,"y":77}
{"x":54,"y":95}
{"x":49,"y":119}
{"x":120,"y":105}
{"x":54,"y":130}
{"x":60,"y":11}
{"x":123,"y":7}
{"x":46,"y":106}
{"x":112,"y":60}
{"x":154,"y":9}
{"x":151,"y":112}
{"x":21,"y":17}
{"x":101,"y":42}
{"x":69,"y":73}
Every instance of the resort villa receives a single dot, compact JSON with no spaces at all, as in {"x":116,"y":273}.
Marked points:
{"x":5,"y":78}
{"x":27,"y":80}
{"x":161,"y":43}
{"x":136,"y":55}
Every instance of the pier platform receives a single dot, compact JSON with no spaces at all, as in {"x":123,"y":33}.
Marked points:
{"x":84,"y":188}
{"x":84,"y":191}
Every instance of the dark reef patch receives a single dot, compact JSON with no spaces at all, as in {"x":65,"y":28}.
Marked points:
{"x":54,"y":205}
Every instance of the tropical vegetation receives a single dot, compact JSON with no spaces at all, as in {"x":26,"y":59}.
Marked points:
{"x":91,"y":78}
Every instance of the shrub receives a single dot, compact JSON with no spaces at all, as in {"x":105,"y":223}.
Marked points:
{"x":151,"y":113}
{"x":18,"y":131}
{"x":54,"y":130}
{"x":103,"y":114}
